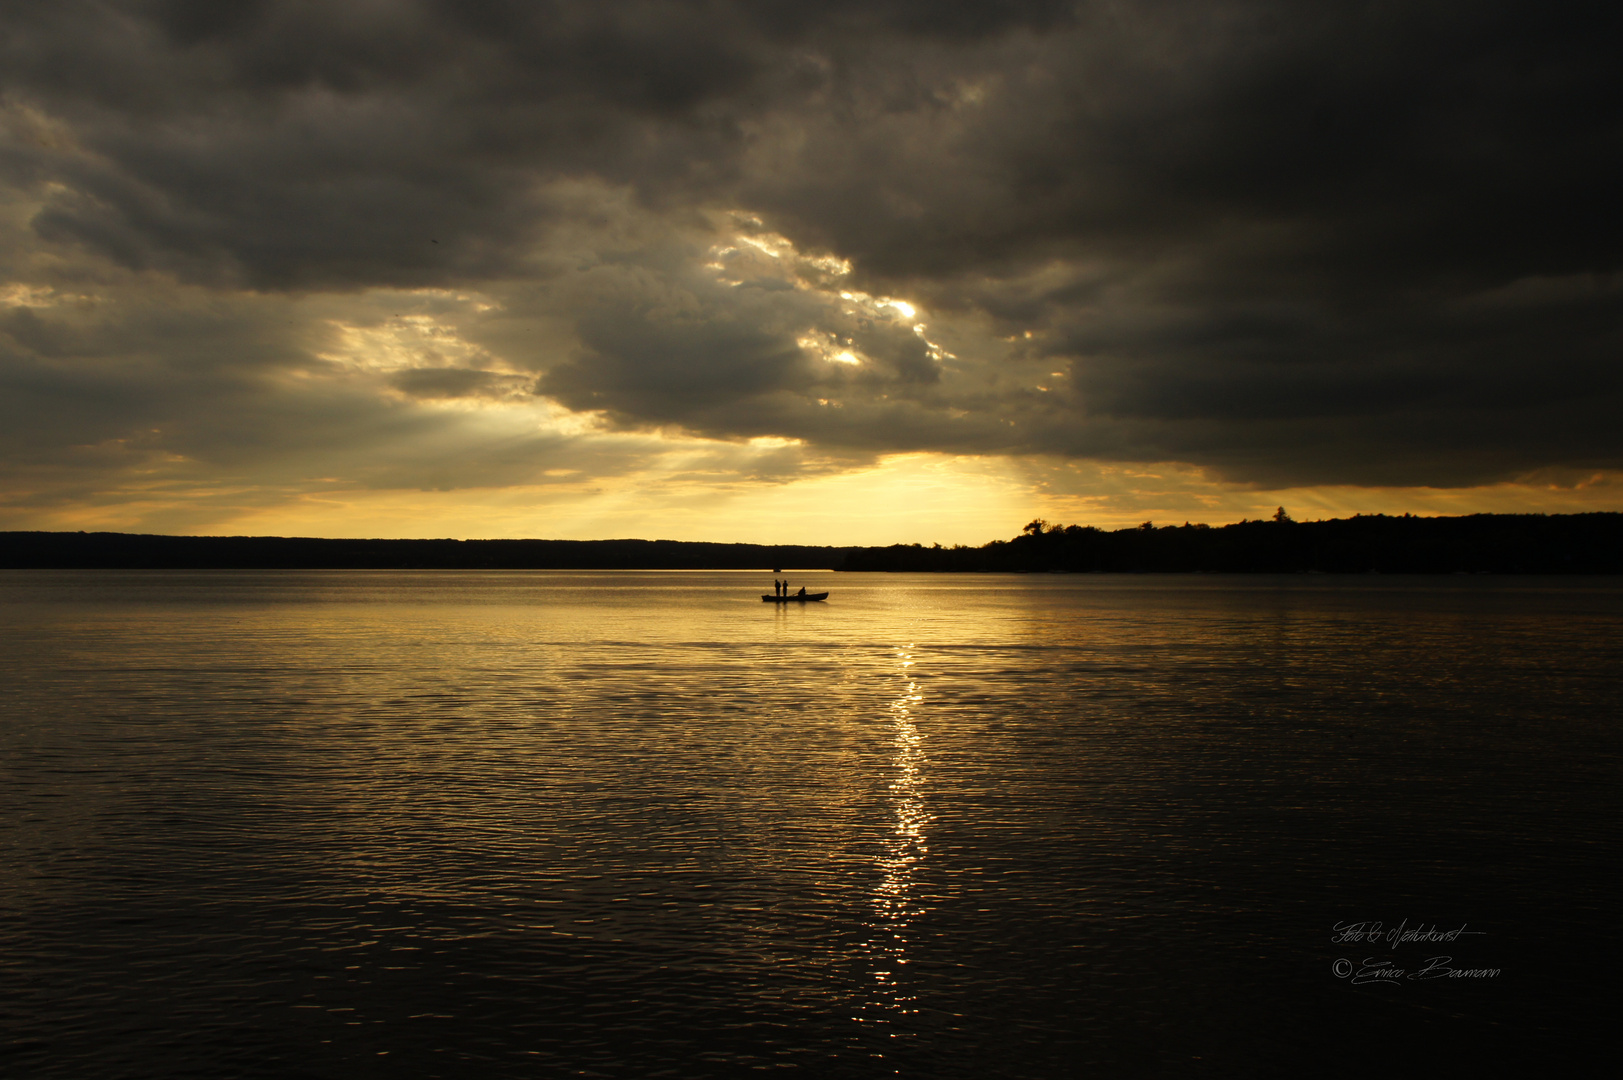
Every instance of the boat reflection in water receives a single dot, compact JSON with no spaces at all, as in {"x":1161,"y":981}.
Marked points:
{"x":889,"y":999}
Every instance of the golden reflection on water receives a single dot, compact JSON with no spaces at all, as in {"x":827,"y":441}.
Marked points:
{"x":896,"y":904}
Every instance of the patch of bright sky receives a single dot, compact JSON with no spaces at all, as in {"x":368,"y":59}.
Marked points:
{"x":914,"y":496}
{"x":734,"y":262}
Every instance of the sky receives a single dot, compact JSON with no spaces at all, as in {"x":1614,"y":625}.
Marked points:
{"x":784,"y":272}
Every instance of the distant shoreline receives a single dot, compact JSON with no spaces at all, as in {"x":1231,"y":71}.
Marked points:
{"x":130,"y":551}
{"x":1478,"y":543}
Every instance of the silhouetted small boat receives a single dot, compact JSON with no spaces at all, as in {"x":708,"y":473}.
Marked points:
{"x":792,"y":598}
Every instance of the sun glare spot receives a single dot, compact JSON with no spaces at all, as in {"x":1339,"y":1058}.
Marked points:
{"x":887,"y":306}
{"x":770,"y":245}
{"x":828,"y":347}
{"x":831,"y":265}
{"x":801,"y":270}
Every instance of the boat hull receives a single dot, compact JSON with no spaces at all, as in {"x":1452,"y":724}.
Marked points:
{"x":791,"y":599}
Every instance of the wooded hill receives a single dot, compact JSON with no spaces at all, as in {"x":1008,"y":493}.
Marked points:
{"x":1479,"y":543}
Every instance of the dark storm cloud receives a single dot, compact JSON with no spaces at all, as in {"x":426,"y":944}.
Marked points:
{"x":750,"y":345}
{"x":1294,"y":243}
{"x":295,"y":144}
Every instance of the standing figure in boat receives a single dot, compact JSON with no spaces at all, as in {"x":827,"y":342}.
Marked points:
{"x":782,"y":595}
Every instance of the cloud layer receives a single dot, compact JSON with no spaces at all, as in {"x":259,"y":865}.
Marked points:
{"x":399,"y":244}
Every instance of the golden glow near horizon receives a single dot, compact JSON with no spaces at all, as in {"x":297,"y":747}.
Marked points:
{"x":689,"y":491}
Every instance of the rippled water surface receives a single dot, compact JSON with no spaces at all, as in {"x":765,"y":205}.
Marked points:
{"x":528,"y":824}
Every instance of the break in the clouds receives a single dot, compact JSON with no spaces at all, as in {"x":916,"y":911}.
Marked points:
{"x":257,"y":251}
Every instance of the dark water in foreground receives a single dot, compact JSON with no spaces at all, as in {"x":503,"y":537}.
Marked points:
{"x":531,"y":824}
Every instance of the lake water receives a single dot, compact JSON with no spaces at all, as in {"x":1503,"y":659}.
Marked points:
{"x":354,"y":824}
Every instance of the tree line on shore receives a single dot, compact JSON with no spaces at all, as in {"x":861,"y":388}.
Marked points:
{"x":1478,"y":543}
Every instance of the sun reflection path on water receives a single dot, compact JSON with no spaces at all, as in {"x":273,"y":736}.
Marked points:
{"x":896,"y":904}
